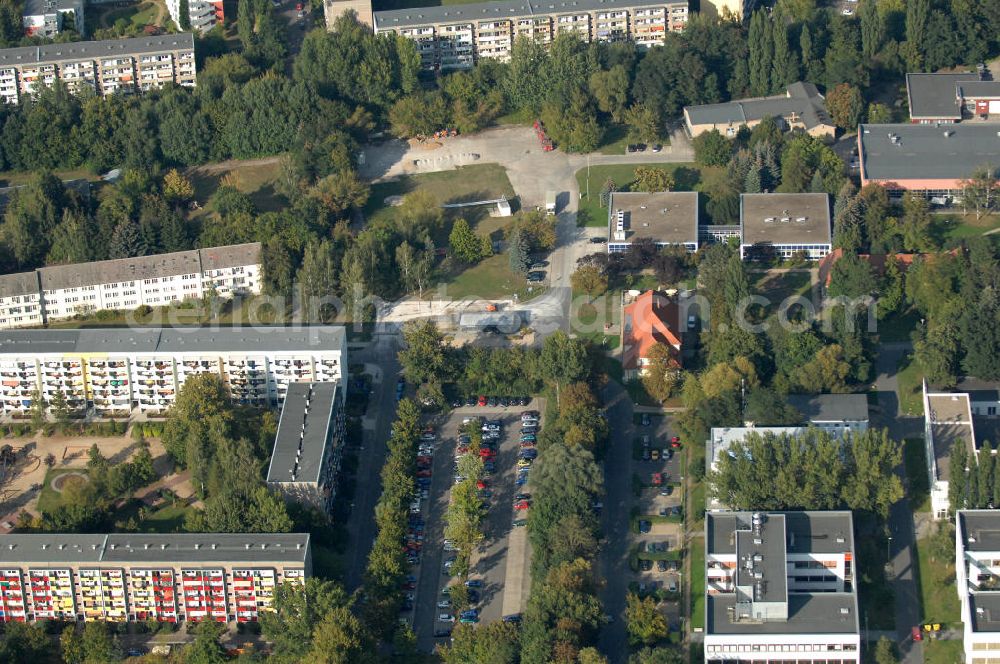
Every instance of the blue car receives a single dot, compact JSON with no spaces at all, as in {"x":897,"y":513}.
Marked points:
{"x":528,"y":437}
{"x":474,"y":583}
{"x":521,"y":480}
{"x":528,"y":454}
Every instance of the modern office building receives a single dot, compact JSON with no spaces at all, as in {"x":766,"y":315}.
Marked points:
{"x":116,"y":371}
{"x":666,"y":217}
{"x":455,"y":36}
{"x":63,"y":291}
{"x":927,"y":159}
{"x":47,"y":18}
{"x":977,"y":579}
{"x":781,"y":587}
{"x":947,"y":98}
{"x":309,"y":445}
{"x":203,"y":14}
{"x":801,"y":107}
{"x":137,"y":577}
{"x":783,"y":225}
{"x":114,"y":65}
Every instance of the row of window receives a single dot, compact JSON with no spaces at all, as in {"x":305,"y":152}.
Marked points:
{"x":783,"y":647}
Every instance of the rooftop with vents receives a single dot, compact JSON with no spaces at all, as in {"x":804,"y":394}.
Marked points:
{"x":779,"y":219}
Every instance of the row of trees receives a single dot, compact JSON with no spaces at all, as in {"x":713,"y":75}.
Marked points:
{"x":974,"y":478}
{"x":464,"y":516}
{"x":814,"y":470}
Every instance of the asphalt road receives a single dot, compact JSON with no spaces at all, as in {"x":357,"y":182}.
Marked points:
{"x":380,"y":415}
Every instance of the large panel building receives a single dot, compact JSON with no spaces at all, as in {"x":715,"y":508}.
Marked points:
{"x":455,"y":36}
{"x":977,"y":579}
{"x":139,"y":577}
{"x":781,"y":587}
{"x":63,"y":291}
{"x":117,"y":371}
{"x":308,"y":445}
{"x":113,"y":65}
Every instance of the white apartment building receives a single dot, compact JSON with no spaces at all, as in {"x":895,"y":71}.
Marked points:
{"x":947,"y":422}
{"x":46,"y":18}
{"x":127,"y":65}
{"x":137,"y":577}
{"x":203,"y":14}
{"x":780,"y":587}
{"x":63,"y":291}
{"x":977,"y":579}
{"x":455,"y":36}
{"x":119,"y":371}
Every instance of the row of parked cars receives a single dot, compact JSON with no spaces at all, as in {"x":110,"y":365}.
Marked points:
{"x":491,"y":402}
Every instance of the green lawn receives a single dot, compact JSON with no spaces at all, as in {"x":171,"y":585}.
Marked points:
{"x":875,"y":591}
{"x":951,"y":227}
{"x":15,"y":178}
{"x":779,"y":287}
{"x":465,"y":183}
{"x":49,"y":499}
{"x":168,"y":519}
{"x":591,"y":214}
{"x":915,"y":461}
{"x":139,"y":14}
{"x":910,"y":387}
{"x":898,"y":327}
{"x":491,"y":278}
{"x":943,"y":652}
{"x":696,"y":553}
{"x":936,"y":573}
{"x":255,"y":180}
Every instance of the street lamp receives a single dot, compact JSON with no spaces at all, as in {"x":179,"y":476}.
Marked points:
{"x":888,"y":544}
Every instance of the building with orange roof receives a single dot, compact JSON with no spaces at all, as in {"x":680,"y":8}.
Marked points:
{"x":651,"y":319}
{"x":877,"y":261}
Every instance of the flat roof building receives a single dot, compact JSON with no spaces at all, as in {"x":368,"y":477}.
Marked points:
{"x":666,"y":217}
{"x":47,"y":18}
{"x":947,"y":422}
{"x":832,"y":411}
{"x":926,"y":159}
{"x":801,"y":107}
{"x":951,"y":97}
{"x":136,"y":577}
{"x":308,"y":445}
{"x":977,"y":579}
{"x":783,"y":225}
{"x":456,"y":36}
{"x":781,"y":584}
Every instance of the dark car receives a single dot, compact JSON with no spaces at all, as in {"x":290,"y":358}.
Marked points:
{"x":513,"y":618}
{"x":474,"y":583}
{"x":492,"y":402}
{"x":441,"y":633}
{"x":470,"y":401}
{"x":504,"y":402}
{"x":645,"y":420}
{"x":645,"y":565}
{"x":456,"y":403}
{"x":597,"y":239}
{"x":528,"y":454}
{"x":645,"y":455}
{"x":473,"y":596}
{"x":661,"y":565}
{"x":644,"y":526}
{"x":523,"y":496}
{"x":536,"y":277}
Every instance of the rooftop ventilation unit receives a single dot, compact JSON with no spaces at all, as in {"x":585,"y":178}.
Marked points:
{"x":769,"y":220}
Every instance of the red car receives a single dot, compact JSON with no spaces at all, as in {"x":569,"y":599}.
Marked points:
{"x":425,"y":459}
{"x":915,"y":632}
{"x":526,"y":444}
{"x":480,"y":484}
{"x":423,"y":473}
{"x":487,"y":453}
{"x":657,"y":479}
{"x":482,"y":400}
{"x":463,"y":449}
{"x":522,"y":505}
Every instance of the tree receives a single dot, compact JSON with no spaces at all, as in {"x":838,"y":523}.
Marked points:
{"x":60,"y":411}
{"x":827,"y":372}
{"x":37,"y":410}
{"x":341,"y":191}
{"x":662,"y":655}
{"x":185,"y":15}
{"x":517,"y":254}
{"x":610,"y":91}
{"x":424,"y":355}
{"x":493,"y":643}
{"x":338,"y":639}
{"x":712,"y":148}
{"x":872,"y":28}
{"x":126,"y":241}
{"x":936,"y":352}
{"x":466,"y":245}
{"x":646,"y":625}
{"x":205,"y":649}
{"x":761,"y":45}
{"x":785,"y":66}
{"x":879,"y":113}
{"x":643,"y":124}
{"x":653,"y":179}
{"x":885,"y":650}
{"x":851,"y":277}
{"x":25,"y":642}
{"x":177,"y":189}
{"x":980,"y":191}
{"x":845,"y":105}
{"x":661,"y":376}
{"x":590,"y":280}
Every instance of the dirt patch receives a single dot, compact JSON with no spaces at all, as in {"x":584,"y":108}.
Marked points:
{"x":66,"y":480}
{"x":424,"y":145}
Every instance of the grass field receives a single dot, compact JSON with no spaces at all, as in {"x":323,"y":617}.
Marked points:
{"x":915,"y":461}
{"x":169,"y":519}
{"x":490,"y":278}
{"x":49,"y":499}
{"x":139,"y":15}
{"x":253,"y":179}
{"x":898,"y":327}
{"x":943,"y":652}
{"x":16,"y":178}
{"x":687,"y":178}
{"x":696,"y":553}
{"x":937,"y":578}
{"x":951,"y":227}
{"x":910,"y":388}
{"x":779,"y":287}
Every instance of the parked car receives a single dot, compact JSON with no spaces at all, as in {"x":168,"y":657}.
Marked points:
{"x":522,"y":505}
{"x":446,"y":617}
{"x":644,"y":420}
{"x":667,"y":490}
{"x":536,"y":277}
{"x":520,"y":523}
{"x":529,"y":414}
{"x":644,"y":526}
{"x":528,"y":454}
{"x":654,"y":454}
{"x":513,"y":618}
{"x":474,"y":583}
{"x":482,"y":400}
{"x":444,"y":604}
{"x":441,"y":633}
{"x":661,"y":566}
{"x":645,"y":565}
{"x":597,"y":239}
{"x":524,"y":463}
{"x":523,"y":496}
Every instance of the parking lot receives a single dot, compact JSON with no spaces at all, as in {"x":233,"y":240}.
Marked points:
{"x":503,"y":577}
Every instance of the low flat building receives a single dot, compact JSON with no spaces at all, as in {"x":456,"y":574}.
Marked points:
{"x":138,"y":577}
{"x":456,"y":36}
{"x":926,"y":159}
{"x":63,"y":291}
{"x":947,"y":98}
{"x":669,"y":218}
{"x":47,"y":18}
{"x":334,"y":9}
{"x":780,"y":587}
{"x":801,"y":107}
{"x":977,"y":579}
{"x":309,"y":445}
{"x":784,"y":225}
{"x":651,"y":319}
{"x":947,"y":422}
{"x":106,"y":67}
{"x":115,"y":371}
{"x":835,"y":413}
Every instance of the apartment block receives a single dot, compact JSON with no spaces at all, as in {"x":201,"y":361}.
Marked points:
{"x":138,"y":577}
{"x":977,"y":579}
{"x":126,"y":65}
{"x":117,"y":371}
{"x":780,"y":587}
{"x":47,"y":18}
{"x":203,"y":14}
{"x":309,"y":444}
{"x":63,"y":291}
{"x":455,"y":36}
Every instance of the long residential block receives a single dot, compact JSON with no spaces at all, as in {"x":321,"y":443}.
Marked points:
{"x":781,"y":587}
{"x":116,"y":371}
{"x":113,"y":65}
{"x":455,"y":36}
{"x":139,"y":577}
{"x":977,"y":579}
{"x":63,"y":291}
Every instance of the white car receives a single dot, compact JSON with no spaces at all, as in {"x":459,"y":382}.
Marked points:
{"x":444,"y":604}
{"x":848,"y":12}
{"x":446,"y":617}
